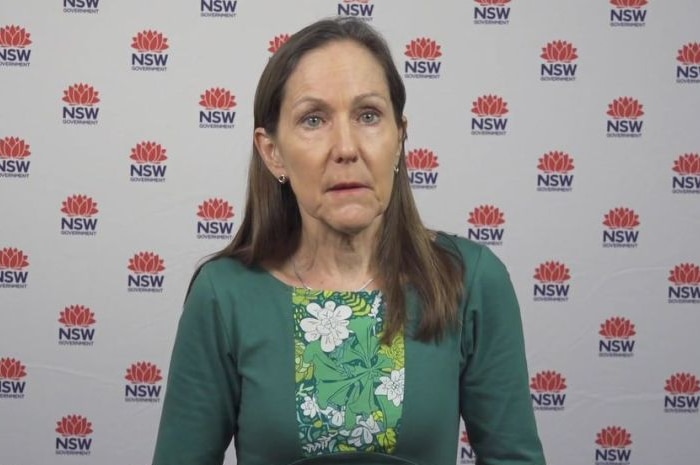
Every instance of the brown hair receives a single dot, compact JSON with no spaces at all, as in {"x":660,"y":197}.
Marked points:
{"x":406,"y":254}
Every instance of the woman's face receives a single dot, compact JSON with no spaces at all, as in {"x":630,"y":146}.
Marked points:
{"x":337,"y":139}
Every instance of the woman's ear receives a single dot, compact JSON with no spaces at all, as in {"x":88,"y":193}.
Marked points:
{"x":267,"y":149}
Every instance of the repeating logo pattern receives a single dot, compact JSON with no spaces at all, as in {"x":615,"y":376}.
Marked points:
{"x":150,"y":53}
{"x":78,"y":218}
{"x":146,"y":272}
{"x":422,"y":167}
{"x":628,"y":13}
{"x":13,"y":158}
{"x":12,"y":382}
{"x":215,"y":219}
{"x":81,"y":6}
{"x":552,"y":285}
{"x":492,"y":12}
{"x":613,"y":446}
{"x":465,"y":452}
{"x":555,"y":172}
{"x":14,"y":46}
{"x":617,"y":340}
{"x":218,"y":8}
{"x":359,"y":9}
{"x":143,"y":386}
{"x":423,"y":54}
{"x":148,"y":165}
{"x":687,"y":177}
{"x":77,"y":326}
{"x":683,"y":393}
{"x":489,"y":119}
{"x":82,"y":100}
{"x":73,"y":435}
{"x":13,"y":264}
{"x":685,"y":288}
{"x":688,"y":71}
{"x":277,"y":42}
{"x":548,"y":391}
{"x":487,"y":225}
{"x":218,"y":104}
{"x":558,"y":57}
{"x":622,"y":224}
{"x":625,"y":114}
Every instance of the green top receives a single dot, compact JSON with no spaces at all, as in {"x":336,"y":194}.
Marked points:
{"x":300,"y":377}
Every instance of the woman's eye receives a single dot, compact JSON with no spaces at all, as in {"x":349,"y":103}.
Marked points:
{"x":313,"y":121}
{"x":369,"y":117}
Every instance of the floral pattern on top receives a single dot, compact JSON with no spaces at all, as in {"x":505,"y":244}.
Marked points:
{"x":349,"y":386}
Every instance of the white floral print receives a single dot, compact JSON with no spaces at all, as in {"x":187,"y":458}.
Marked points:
{"x":330,"y":324}
{"x":336,"y":417}
{"x":375,"y":307}
{"x":392,"y":386}
{"x":364,"y":432}
{"x":310,"y":407}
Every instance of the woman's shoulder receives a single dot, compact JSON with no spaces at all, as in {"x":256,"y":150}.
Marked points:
{"x":226,"y":271}
{"x":478,"y":259}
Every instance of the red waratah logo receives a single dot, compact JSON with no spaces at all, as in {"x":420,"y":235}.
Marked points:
{"x":12,"y":369}
{"x":14,"y":147}
{"x":277,"y":42}
{"x":489,"y":105}
{"x":617,"y":328}
{"x":559,"y":51}
{"x":613,"y":437}
{"x":79,"y":205}
{"x":685,"y":274}
{"x":423,"y":48}
{"x":143,"y":373}
{"x":421,"y":159}
{"x":682,"y":384}
{"x":146,"y":263}
{"x":81,"y":94}
{"x":625,"y":107}
{"x":689,"y":54}
{"x":74,"y":425}
{"x":548,"y":381}
{"x":621,"y":218}
{"x":556,"y":162}
{"x":492,"y":2}
{"x":552,"y":272}
{"x":150,"y":41}
{"x":148,"y":152}
{"x":215,"y":210}
{"x":77,"y":316}
{"x":13,"y":259}
{"x":217,"y":98}
{"x":687,"y":165}
{"x":628,"y":3}
{"x":14,"y":36}
{"x":486,"y":216}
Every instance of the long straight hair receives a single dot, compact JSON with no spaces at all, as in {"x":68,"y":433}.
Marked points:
{"x":406,"y":254}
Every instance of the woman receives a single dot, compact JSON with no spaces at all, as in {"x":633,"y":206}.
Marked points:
{"x":335,"y":328}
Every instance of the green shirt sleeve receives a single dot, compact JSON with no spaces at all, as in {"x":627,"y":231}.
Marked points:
{"x":494,"y":393}
{"x":199,"y":410}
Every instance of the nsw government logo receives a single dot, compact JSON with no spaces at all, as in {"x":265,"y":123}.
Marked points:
{"x":13,"y":158}
{"x":148,"y":162}
{"x":423,"y":54}
{"x":13,"y":264}
{"x":74,"y":435}
{"x":277,"y":42}
{"x":613,"y":446}
{"x":683,"y":393}
{"x":81,"y":6}
{"x":622,"y":226}
{"x":150,"y":53}
{"x":555,"y":172}
{"x":625,"y":113}
{"x":214,"y":220}
{"x":14,"y":43}
{"x":487,"y":222}
{"x":688,"y":72}
{"x":78,"y":218}
{"x":686,"y":284}
{"x":422,"y":168}
{"x":466,"y":453}
{"x":492,"y":12}
{"x":358,"y":9}
{"x":628,"y":13}
{"x":82,"y":100}
{"x":218,"y":104}
{"x":218,"y":8}
{"x":617,"y":338}
{"x":558,"y":57}
{"x":489,"y":120}
{"x":547,"y":391}
{"x":553,"y":284}
{"x":76,"y":329}
{"x":12,"y":382}
{"x":146,"y":269}
{"x":143,"y":384}
{"x":687,"y":179}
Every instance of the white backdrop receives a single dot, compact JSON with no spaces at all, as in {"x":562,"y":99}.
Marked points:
{"x":565,"y":134}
